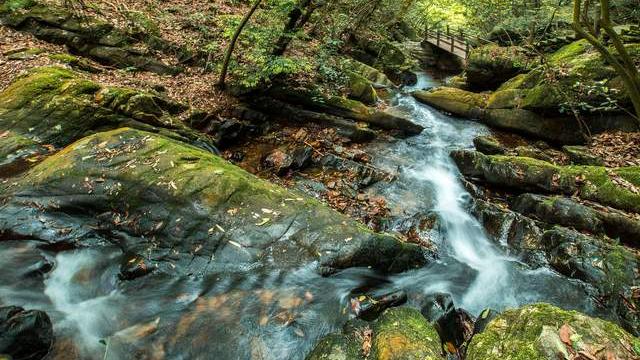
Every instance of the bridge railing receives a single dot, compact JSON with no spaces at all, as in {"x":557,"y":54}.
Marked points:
{"x":454,"y":40}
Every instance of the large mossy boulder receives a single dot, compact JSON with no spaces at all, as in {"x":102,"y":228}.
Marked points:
{"x":489,"y":66}
{"x":545,"y":332}
{"x":398,"y":334}
{"x":456,"y":101}
{"x":617,"y":188}
{"x":147,"y":192}
{"x":50,"y":107}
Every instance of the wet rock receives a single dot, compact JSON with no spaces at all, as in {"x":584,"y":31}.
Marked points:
{"x":560,"y":211}
{"x":24,"y":334}
{"x":435,"y":306}
{"x":135,"y":188}
{"x":368,"y":307}
{"x":484,"y":319}
{"x":489,"y":145}
{"x":613,"y":187}
{"x":400,"y":333}
{"x":458,"y":102}
{"x":579,"y":155}
{"x":609,"y":267}
{"x":542,"y":331}
{"x":454,"y":326}
{"x":517,"y":234}
{"x":283,"y":162}
{"x":134,"y":266}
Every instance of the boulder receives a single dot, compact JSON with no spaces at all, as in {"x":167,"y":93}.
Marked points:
{"x":348,"y":109}
{"x":545,"y":332}
{"x":24,"y":334}
{"x":362,"y":89}
{"x":131,"y":188}
{"x":88,"y":36}
{"x":579,"y":155}
{"x":589,"y":217}
{"x":456,"y":101}
{"x":489,"y":66}
{"x":400,"y":333}
{"x":50,"y":107}
{"x":489,"y":145}
{"x":617,"y":188}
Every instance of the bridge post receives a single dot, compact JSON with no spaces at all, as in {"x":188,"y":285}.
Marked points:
{"x":466,"y":50}
{"x":438,"y":38}
{"x":448,"y":31}
{"x":453,"y":43}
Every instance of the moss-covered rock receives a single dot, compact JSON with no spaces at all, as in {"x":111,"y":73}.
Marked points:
{"x":489,"y":66}
{"x":404,"y":334}
{"x":361,"y":89}
{"x":148,"y":192}
{"x":50,"y":107}
{"x":347,"y":108}
{"x":614,"y":187}
{"x":88,"y":36}
{"x":456,"y":101}
{"x":399,"y":334}
{"x":545,"y":332}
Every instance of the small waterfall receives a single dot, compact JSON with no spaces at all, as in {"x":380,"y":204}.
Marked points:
{"x":76,"y":288}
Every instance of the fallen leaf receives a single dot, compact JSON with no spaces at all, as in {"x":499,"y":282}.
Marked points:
{"x":565,"y":334}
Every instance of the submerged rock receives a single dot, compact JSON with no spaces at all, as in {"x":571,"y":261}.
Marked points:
{"x":545,"y":332}
{"x":139,"y":189}
{"x":24,"y":334}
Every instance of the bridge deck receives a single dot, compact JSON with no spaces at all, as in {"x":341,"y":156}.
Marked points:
{"x":444,"y":42}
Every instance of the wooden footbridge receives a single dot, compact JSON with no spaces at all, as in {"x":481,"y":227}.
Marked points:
{"x":455,"y":42}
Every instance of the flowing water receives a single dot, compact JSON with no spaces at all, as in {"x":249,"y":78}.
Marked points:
{"x":281,"y":315}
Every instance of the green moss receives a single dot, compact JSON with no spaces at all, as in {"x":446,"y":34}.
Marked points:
{"x":13,"y":5}
{"x":403,"y":333}
{"x":33,"y":85}
{"x":514,"y":83}
{"x":531,"y":333}
{"x":64,"y":58}
{"x":570,"y":52}
{"x":453,"y":100}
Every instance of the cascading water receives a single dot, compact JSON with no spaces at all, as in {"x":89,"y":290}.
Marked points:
{"x":282,"y":314}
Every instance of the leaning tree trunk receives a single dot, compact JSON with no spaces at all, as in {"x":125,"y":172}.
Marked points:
{"x":227,"y":56}
{"x":298,"y":17}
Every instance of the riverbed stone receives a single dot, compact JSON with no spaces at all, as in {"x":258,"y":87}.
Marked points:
{"x":545,"y":332}
{"x":24,"y":334}
{"x":139,"y":189}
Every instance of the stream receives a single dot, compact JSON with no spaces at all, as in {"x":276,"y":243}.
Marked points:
{"x":249,"y":314}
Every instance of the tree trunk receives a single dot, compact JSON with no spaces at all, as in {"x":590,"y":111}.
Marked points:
{"x":298,"y":18}
{"x":625,"y":69}
{"x":227,"y":56}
